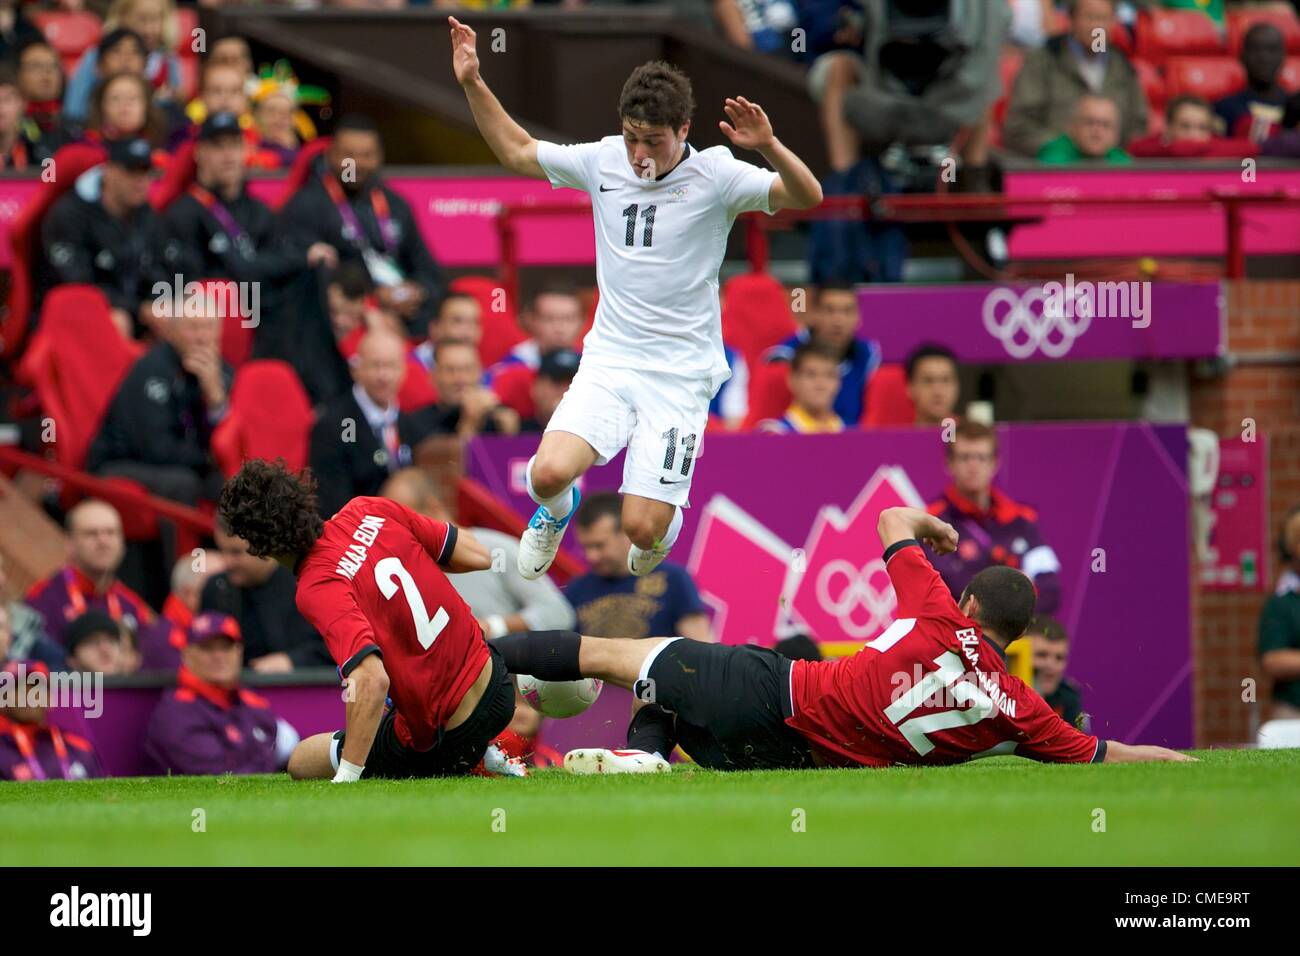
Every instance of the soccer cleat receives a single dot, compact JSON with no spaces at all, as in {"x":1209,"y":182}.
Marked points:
{"x":541,"y":539}
{"x":598,"y":760}
{"x":496,"y":763}
{"x":641,"y":562}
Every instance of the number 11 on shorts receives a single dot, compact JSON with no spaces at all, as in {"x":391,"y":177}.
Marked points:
{"x":670,"y":452}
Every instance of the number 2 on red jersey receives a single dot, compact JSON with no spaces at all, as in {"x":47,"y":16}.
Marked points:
{"x":388,"y":573}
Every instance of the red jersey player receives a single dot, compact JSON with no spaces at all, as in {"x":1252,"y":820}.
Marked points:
{"x":932,"y":689}
{"x":372,"y":580}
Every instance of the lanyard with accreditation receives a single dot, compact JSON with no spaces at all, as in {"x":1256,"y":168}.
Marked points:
{"x":383,"y":270}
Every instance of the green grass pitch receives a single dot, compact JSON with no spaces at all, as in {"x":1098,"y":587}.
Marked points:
{"x":1232,"y":808}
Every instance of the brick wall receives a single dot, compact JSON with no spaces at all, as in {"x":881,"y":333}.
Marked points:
{"x":1263,"y":385}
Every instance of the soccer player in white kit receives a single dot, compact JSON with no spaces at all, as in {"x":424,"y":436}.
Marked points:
{"x":653,"y":359}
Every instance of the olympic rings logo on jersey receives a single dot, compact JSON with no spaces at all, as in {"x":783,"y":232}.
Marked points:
{"x":1024,"y":325}
{"x":857,"y":592}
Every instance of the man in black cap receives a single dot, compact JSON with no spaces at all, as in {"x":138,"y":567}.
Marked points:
{"x":95,"y":644}
{"x":216,"y":230}
{"x":554,"y":373}
{"x":103,"y":233}
{"x":345,"y":204}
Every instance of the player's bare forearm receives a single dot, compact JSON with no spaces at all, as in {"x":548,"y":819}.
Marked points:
{"x":367,"y":694}
{"x":900,"y":524}
{"x":511,"y":143}
{"x":1117,"y":752}
{"x":796,"y":187}
{"x":471,"y":554}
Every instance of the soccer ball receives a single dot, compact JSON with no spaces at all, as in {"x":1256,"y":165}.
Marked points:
{"x":564,"y":698}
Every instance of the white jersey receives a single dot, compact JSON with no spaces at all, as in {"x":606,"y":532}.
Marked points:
{"x":659,"y":245}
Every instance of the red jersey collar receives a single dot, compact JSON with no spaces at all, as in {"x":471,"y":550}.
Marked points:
{"x":1001,"y":508}
{"x":222,"y":697}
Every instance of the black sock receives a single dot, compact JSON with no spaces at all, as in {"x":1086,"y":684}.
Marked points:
{"x":546,"y":655}
{"x":652,"y":730}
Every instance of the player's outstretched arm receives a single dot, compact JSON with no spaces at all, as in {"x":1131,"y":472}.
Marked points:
{"x":367,"y":692}
{"x":511,"y":143}
{"x":795,"y":186}
{"x":470,"y":554}
{"x":901,"y":524}
{"x":1117,"y":752}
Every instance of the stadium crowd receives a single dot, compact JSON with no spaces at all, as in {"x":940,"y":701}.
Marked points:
{"x":387,"y":351}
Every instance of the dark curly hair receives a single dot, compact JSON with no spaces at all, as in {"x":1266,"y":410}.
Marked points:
{"x":657,"y":94}
{"x":272,"y":509}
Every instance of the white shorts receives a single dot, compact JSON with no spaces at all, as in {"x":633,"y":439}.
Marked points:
{"x":659,"y":418}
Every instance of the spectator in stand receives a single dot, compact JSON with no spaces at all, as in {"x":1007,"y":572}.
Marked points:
{"x":833,"y":320}
{"x":1051,"y":653}
{"x":933,"y":384}
{"x":158,"y":428}
{"x":553,"y":320}
{"x":31,"y":748}
{"x":993,"y":528}
{"x":40,"y":80}
{"x":106,"y":235}
{"x":459,"y":317}
{"x":222,"y":90}
{"x":189,"y":576}
{"x":554,"y":376}
{"x":15,"y":29}
{"x":230,"y":52}
{"x":761,"y":25}
{"x":361,"y":436}
{"x":730,"y":405}
{"x":1052,"y":80}
{"x":925,"y":76}
{"x":1286,"y":143}
{"x":273,"y":109}
{"x":120,"y":109}
{"x":155,"y":22}
{"x":610,"y":601}
{"x":208,"y":724}
{"x":1189,"y":134}
{"x":465,"y":406}
{"x":96,"y":644}
{"x":23,"y":636}
{"x":89,"y":581}
{"x":1092,"y":136}
{"x":17,"y":151}
{"x":1279,"y":627}
{"x":217,"y":230}
{"x":259,"y":594}
{"x":120,"y":51}
{"x":814,"y":382}
{"x":1256,"y":112}
{"x":346,"y":204}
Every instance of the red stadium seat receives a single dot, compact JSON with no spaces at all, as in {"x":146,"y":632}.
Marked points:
{"x":1153,"y":84}
{"x":189,"y":68}
{"x":71,"y":33}
{"x":75,"y":362}
{"x":755,"y":314}
{"x":1166,"y":33}
{"x":176,"y":178}
{"x":187,"y":20}
{"x":299,"y":171}
{"x":887,"y":401}
{"x":1210,"y":77}
{"x":1121,"y":38}
{"x":269,"y":417}
{"x":24,"y":238}
{"x":501,"y":331}
{"x":769,"y":391}
{"x":1240,"y":22}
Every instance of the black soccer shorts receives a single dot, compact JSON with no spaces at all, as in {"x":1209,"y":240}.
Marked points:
{"x":457,"y":751}
{"x":731,"y":703}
